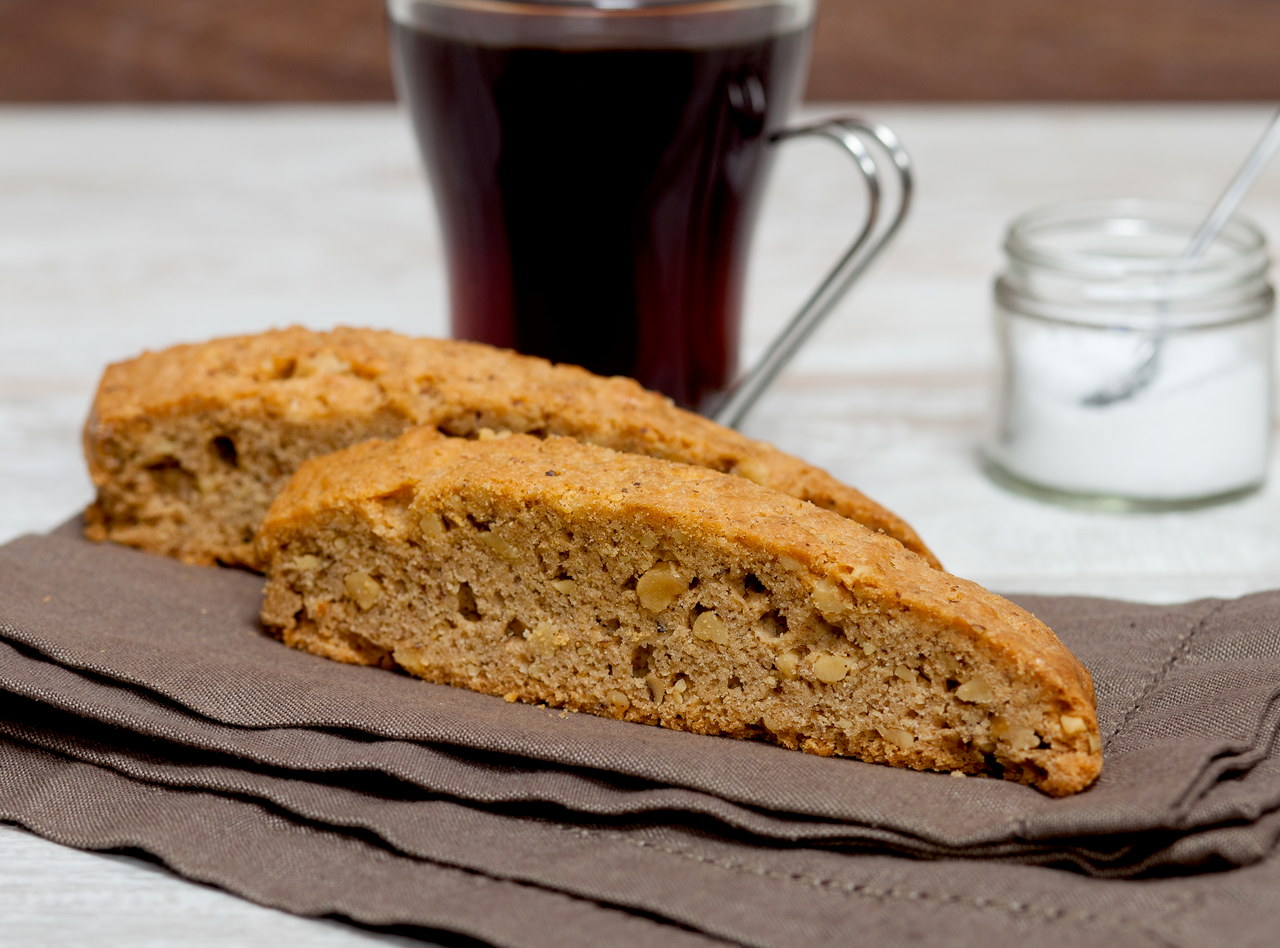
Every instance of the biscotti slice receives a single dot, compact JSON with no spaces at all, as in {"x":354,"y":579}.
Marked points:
{"x":188,"y":446}
{"x":637,"y":588}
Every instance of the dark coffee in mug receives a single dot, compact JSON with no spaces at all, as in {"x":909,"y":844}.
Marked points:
{"x":597,"y":195}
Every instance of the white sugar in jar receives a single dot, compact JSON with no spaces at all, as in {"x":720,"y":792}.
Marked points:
{"x":1129,"y":378}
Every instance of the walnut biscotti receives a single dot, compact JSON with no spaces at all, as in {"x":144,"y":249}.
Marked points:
{"x":188,"y":446}
{"x":560,"y":572}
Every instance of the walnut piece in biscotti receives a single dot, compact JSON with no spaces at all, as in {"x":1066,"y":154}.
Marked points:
{"x":188,"y":446}
{"x":636,"y":588}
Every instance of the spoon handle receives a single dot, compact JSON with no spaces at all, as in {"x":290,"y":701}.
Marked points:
{"x":1235,"y":191}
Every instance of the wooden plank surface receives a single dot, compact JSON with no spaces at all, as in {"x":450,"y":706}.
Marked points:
{"x":1035,"y":50}
{"x":335,"y":50}
{"x":192,"y":50}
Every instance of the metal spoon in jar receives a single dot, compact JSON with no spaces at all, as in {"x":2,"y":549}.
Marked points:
{"x":1145,"y":372}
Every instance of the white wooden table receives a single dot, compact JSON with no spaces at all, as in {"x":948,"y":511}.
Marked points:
{"x":124,"y":229}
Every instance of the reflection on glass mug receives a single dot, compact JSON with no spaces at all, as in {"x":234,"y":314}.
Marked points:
{"x":597,"y":167}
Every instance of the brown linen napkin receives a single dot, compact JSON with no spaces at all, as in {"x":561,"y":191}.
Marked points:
{"x":126,"y":677}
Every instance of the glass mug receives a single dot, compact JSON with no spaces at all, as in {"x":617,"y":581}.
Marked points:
{"x":597,"y":167}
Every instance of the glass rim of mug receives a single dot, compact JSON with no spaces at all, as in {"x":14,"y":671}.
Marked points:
{"x":400,"y":10}
{"x":597,"y":24}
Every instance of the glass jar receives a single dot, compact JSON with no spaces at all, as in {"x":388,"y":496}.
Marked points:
{"x":1131,"y":377}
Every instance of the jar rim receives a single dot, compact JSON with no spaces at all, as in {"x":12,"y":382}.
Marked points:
{"x":1240,"y":245}
{"x":1135,"y":313}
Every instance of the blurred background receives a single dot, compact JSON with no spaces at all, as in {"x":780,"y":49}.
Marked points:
{"x":883,"y":50}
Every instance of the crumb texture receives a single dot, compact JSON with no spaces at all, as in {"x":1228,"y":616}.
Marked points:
{"x":188,"y":446}
{"x":548,"y":570}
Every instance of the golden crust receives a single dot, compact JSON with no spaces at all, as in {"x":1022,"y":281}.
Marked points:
{"x":857,"y":577}
{"x":294,"y":386}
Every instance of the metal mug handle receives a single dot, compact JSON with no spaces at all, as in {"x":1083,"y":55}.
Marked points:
{"x":854,"y":135}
